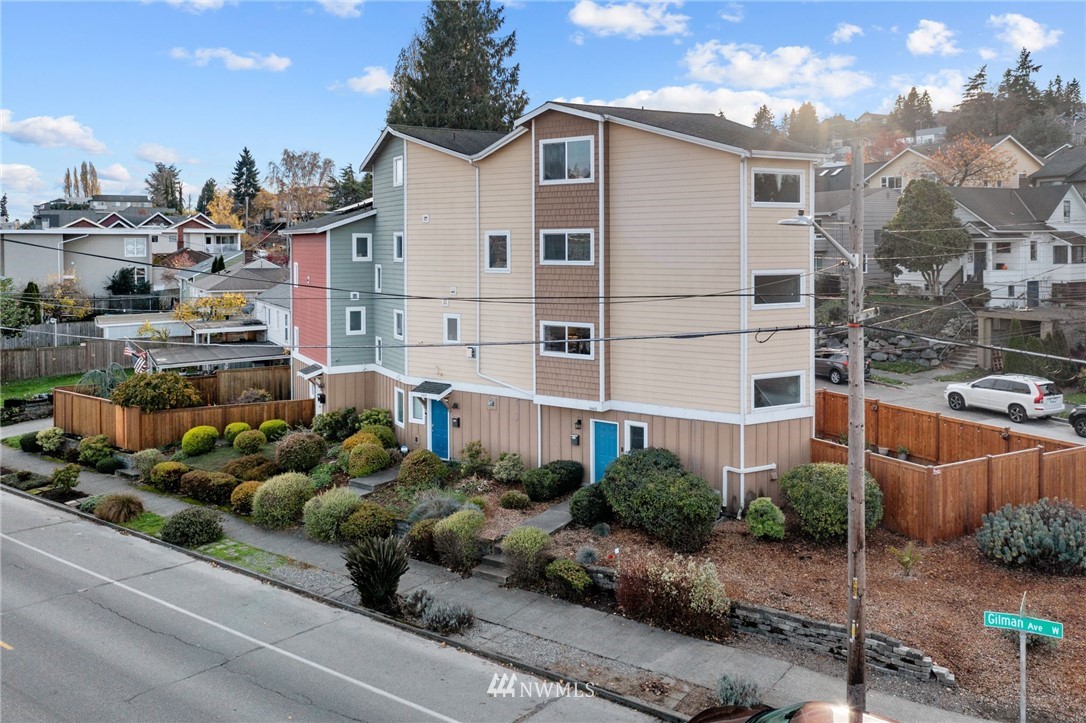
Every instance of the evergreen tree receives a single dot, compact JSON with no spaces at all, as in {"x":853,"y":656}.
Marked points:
{"x":246,"y":179}
{"x":4,"y":207}
{"x":164,"y":187}
{"x":84,"y":179}
{"x":92,"y":175}
{"x":1018,"y":98}
{"x":977,"y":112}
{"x":207,"y":193}
{"x":803,"y":125}
{"x":764,"y":120}
{"x":1043,"y":133}
{"x":218,"y":265}
{"x":13,"y":314}
{"x":454,"y":75}
{"x":913,"y":111}
{"x":348,"y":188}
{"x":68,"y":183}
{"x":31,"y":300}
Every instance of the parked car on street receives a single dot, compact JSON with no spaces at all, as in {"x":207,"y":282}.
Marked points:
{"x":833,"y":364}
{"x":1077,"y":418}
{"x":1020,"y":396}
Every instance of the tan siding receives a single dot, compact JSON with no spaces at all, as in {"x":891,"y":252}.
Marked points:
{"x":911,"y":165}
{"x":507,"y":426}
{"x":787,"y":444}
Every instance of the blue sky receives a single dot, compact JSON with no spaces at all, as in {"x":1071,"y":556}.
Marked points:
{"x":125,"y":84}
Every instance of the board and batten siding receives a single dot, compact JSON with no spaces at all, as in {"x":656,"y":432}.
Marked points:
{"x":310,"y":302}
{"x":389,"y":202}
{"x":349,"y":276}
{"x":673,"y":221}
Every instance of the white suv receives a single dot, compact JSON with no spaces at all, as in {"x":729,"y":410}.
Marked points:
{"x":1022,"y":397}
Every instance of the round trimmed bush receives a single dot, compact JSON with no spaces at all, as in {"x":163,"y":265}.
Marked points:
{"x":145,"y":460}
{"x":456,"y":539}
{"x":1047,"y":535}
{"x":623,"y":475}
{"x":219,"y":488}
{"x":241,"y":499}
{"x":360,"y":438}
{"x":166,"y":476}
{"x":553,"y":479}
{"x":119,"y":508}
{"x":366,"y":459}
{"x":251,"y":467}
{"x":299,"y":451}
{"x":94,"y":449}
{"x":250,"y":442}
{"x":50,"y":438}
{"x":436,"y":506}
{"x":526,"y":550}
{"x":274,"y":429}
{"x":420,"y":539}
{"x":514,"y":500}
{"x":192,"y":482}
{"x":109,"y":465}
{"x":589,"y":506}
{"x":324,"y":514}
{"x":279,"y":501}
{"x":385,"y":435}
{"x":199,"y":440}
{"x":29,"y":443}
{"x":88,"y":504}
{"x":765,"y":520}
{"x":422,"y":467}
{"x":818,"y":493}
{"x":369,"y":519}
{"x":192,"y":527}
{"x":509,"y":468}
{"x":336,"y":425}
{"x":155,"y":392}
{"x":233,"y":430}
{"x":567,"y":579}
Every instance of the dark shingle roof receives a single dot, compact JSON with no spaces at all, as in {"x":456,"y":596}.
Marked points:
{"x":839,"y":178}
{"x":1014,"y":209}
{"x":706,"y":126}
{"x":330,"y":218}
{"x":1069,"y":163}
{"x":457,"y":140}
{"x":242,"y":280}
{"x":278,"y":295}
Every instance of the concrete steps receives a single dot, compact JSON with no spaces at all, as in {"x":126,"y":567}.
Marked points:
{"x":492,"y":567}
{"x":366,"y":485}
{"x":963,"y":357}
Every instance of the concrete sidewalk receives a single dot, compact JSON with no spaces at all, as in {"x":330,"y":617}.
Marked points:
{"x":514,"y":614}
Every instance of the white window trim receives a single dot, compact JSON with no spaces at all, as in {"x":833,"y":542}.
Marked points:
{"x":778,"y":272}
{"x":398,"y":323}
{"x":627,"y":426}
{"x":508,"y":252}
{"x":294,"y":278}
{"x":801,"y":374}
{"x":778,"y":204}
{"x":884,"y":182}
{"x":445,"y":328}
{"x":566,"y":355}
{"x":398,"y":246}
{"x":567,"y":231}
{"x":399,"y":407}
{"x":378,"y":278}
{"x":347,"y":321}
{"x":397,"y":170}
{"x":378,"y":350}
{"x":354,"y":246}
{"x":411,"y":410}
{"x":137,"y":241}
{"x":591,"y":160}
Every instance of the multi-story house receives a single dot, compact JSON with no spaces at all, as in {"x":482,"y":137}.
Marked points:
{"x":595,"y":281}
{"x":915,"y":162}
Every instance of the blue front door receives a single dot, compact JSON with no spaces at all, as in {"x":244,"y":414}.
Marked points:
{"x":604,"y":446}
{"x":439,"y":429}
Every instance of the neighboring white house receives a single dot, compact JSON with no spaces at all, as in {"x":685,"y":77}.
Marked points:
{"x":273,"y":308}
{"x":249,"y":279}
{"x":127,"y":326}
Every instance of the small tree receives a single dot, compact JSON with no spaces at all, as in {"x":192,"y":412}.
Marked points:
{"x":64,"y":298}
{"x":123,"y":283}
{"x":14,"y":315}
{"x":220,"y":209}
{"x":968,"y":161}
{"x":210,"y":308}
{"x":207,"y":193}
{"x":31,"y":301}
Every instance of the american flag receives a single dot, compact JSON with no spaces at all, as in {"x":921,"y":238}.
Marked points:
{"x":140,"y":364}
{"x":128,"y":351}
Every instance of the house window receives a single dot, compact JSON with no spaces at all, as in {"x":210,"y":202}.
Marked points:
{"x":399,"y":402}
{"x":139,"y":274}
{"x":286,"y":327}
{"x":295,"y":277}
{"x":296,"y":337}
{"x":1078,"y":254}
{"x":778,"y":391}
{"x":778,"y":187}
{"x":572,"y":246}
{"x":778,"y":289}
{"x":1059,"y":254}
{"x":452,"y":328}
{"x":377,"y":279}
{"x":1002,"y":247}
{"x":1010,"y":291}
{"x":819,"y":261}
{"x":356,"y":320}
{"x":497,"y":251}
{"x":637,"y":436}
{"x":1066,"y":211}
{"x":397,"y":246}
{"x":135,"y":247}
{"x":397,"y":324}
{"x":1033,"y":249}
{"x":890,"y":182}
{"x":397,"y":171}
{"x":361,"y":246}
{"x":378,"y":350}
{"x":418,"y":410}
{"x":566,"y":340}
{"x":566,"y":161}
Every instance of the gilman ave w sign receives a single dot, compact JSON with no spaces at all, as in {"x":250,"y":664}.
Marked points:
{"x":1032,"y":626}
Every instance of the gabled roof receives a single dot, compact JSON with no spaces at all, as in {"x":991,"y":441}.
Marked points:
{"x":82,"y":222}
{"x":331,"y":220}
{"x":182,"y":258}
{"x":163,"y":220}
{"x":198,"y":218}
{"x":839,"y":177}
{"x":926,"y":150}
{"x":242,"y":278}
{"x":1011,"y":209}
{"x":278,"y":295}
{"x":113,"y":219}
{"x":1068,"y":163}
{"x":462,"y":142}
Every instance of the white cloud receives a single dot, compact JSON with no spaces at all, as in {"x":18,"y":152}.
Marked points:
{"x":577,"y":38}
{"x":632,"y":20}
{"x":231,"y":60}
{"x":737,"y":105}
{"x":987,"y":54}
{"x":343,"y":8}
{"x":734,"y":13}
{"x":796,"y":70}
{"x":845,"y":32}
{"x":156,"y":153}
{"x":115,"y":172}
{"x":932,"y":38}
{"x":374,"y":79}
{"x":21,"y":178}
{"x":196,"y":6}
{"x":1018,"y":32}
{"x":50,"y":132}
{"x":944,"y":87}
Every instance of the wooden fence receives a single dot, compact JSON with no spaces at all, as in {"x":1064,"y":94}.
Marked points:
{"x":63,"y":334}
{"x":50,"y":361}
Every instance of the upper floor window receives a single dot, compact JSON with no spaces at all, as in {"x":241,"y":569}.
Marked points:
{"x":778,"y":391}
{"x":497,"y":251}
{"x":572,"y":340}
{"x":361,"y":246}
{"x":397,"y":171}
{"x":1059,"y":254}
{"x":135,"y":247}
{"x":778,"y":187}
{"x":379,"y":350}
{"x":778,"y":289}
{"x":891,"y":182}
{"x":378,"y":278}
{"x":1067,"y":211}
{"x":356,"y":320}
{"x":568,"y":160}
{"x":572,"y":246}
{"x":452,"y":328}
{"x":397,"y":324}
{"x":397,"y":246}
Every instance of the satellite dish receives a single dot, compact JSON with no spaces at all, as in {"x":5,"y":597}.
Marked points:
{"x":248,"y":308}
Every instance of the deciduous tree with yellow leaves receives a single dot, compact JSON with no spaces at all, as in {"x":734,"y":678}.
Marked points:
{"x":221,"y":209}
{"x":210,"y":308}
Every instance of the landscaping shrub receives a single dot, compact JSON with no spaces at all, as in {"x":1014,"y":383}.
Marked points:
{"x":765,"y":521}
{"x":422,"y":467}
{"x":385,"y":436}
{"x":71,"y":455}
{"x":241,"y":499}
{"x":437,"y":506}
{"x":527,"y":551}
{"x":233,"y":430}
{"x":733,"y":690}
{"x":94,"y":449}
{"x":509,"y":468}
{"x":155,"y":392}
{"x":251,"y":467}
{"x":250,"y":442}
{"x":474,"y":460}
{"x":336,"y":425}
{"x":368,"y":520}
{"x":279,"y":501}
{"x":382,"y":417}
{"x":420,"y":539}
{"x":514,"y":500}
{"x":819,"y":494}
{"x":323,"y":514}
{"x":553,"y":479}
{"x":199,"y":440}
{"x":453,"y":473}
{"x":456,"y":539}
{"x":417,"y":602}
{"x":447,"y":618}
{"x":274,"y":429}
{"x":89,"y":503}
{"x":366,"y":459}
{"x":145,"y":461}
{"x":677,"y":592}
{"x":50,"y":439}
{"x":624,"y":475}
{"x":119,"y":508}
{"x":321,"y":476}
{"x":192,"y":527}
{"x":191,"y":481}
{"x":166,"y":476}
{"x":360,"y":438}
{"x":479,"y":501}
{"x":218,"y":489}
{"x":252,"y":395}
{"x":299,"y":451}
{"x":601,"y":530}
{"x":178,"y":456}
{"x":1049,"y":536}
{"x":109,"y":465}
{"x":587,"y":556}
{"x":376,"y":565}
{"x":29,"y":443}
{"x":567,"y":579}
{"x":589,"y":506}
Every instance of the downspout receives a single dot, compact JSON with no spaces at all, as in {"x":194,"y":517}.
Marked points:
{"x":602,"y":236}
{"x":744,"y":306}
{"x":743,"y":472}
{"x":535,"y":311}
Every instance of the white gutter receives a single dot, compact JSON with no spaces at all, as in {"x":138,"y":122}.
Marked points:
{"x":744,"y":306}
{"x":601,"y":259}
{"x":535,"y":312}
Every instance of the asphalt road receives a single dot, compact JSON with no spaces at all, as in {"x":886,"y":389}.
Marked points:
{"x":97,"y":625}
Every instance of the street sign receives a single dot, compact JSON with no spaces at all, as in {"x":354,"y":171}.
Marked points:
{"x":1023,"y":624}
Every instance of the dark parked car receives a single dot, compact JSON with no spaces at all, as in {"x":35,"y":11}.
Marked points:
{"x":1077,"y":418}
{"x":833,"y":364}
{"x":802,"y":713}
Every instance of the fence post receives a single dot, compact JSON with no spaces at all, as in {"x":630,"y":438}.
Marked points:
{"x":933,"y":506}
{"x":990,"y":496}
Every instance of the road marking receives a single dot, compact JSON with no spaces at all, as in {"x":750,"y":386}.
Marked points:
{"x":5,"y":646}
{"x":248,"y":638}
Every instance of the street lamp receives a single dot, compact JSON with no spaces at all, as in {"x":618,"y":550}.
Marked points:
{"x":856,"y":691}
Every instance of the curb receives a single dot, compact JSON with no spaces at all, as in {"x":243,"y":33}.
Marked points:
{"x":641,"y":706}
